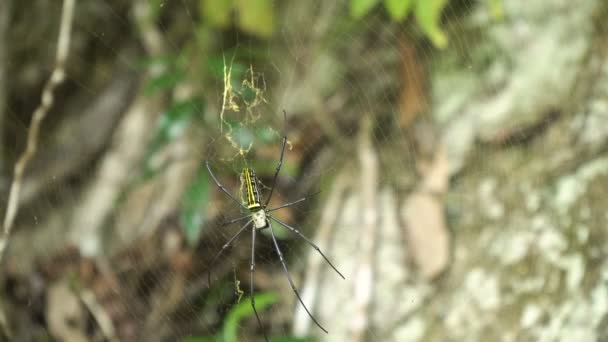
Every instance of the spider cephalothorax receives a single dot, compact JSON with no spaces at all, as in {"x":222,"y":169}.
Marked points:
{"x":261,"y":218}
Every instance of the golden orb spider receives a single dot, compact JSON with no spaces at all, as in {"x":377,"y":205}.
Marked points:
{"x":260,"y":216}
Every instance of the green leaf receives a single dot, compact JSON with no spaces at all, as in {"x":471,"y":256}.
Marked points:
{"x":256,"y":17}
{"x":155,"y":7}
{"x":244,"y":310}
{"x":359,"y":8}
{"x":292,"y":339}
{"x":184,"y":109}
{"x":496,"y":9}
{"x":163,"y":82}
{"x":215,"y":67}
{"x":154,"y":61}
{"x":428,"y":15}
{"x":171,"y":124}
{"x":217,"y":12}
{"x":266,"y":135}
{"x":176,"y":119}
{"x":200,"y":339}
{"x":194,"y":204}
{"x":398,"y":9}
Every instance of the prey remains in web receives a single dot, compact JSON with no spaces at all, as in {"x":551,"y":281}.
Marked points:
{"x":259,"y":217}
{"x":247,"y":96}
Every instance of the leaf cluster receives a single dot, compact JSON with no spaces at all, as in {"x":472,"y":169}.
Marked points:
{"x":426,"y":12}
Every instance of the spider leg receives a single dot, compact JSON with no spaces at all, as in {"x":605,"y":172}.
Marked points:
{"x":219,"y":185}
{"x":293,"y":287}
{"x":289,"y":204}
{"x":252,"y":271}
{"x":309,"y":242}
{"x":276,"y":172}
{"x":235,"y":220}
{"x":226,"y":245}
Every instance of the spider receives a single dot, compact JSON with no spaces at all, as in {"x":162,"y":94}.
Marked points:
{"x":260,"y":216}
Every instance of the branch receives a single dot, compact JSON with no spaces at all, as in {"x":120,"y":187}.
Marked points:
{"x":56,"y":78}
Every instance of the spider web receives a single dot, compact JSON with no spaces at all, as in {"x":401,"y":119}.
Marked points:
{"x":444,"y":178}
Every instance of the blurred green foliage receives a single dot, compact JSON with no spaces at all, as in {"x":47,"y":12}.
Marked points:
{"x":215,"y":67}
{"x":255,"y":17}
{"x":496,"y":8}
{"x":292,"y":339}
{"x":181,"y":113}
{"x":398,"y":9}
{"x":173,"y":71}
{"x":244,"y":310}
{"x":426,"y":12}
{"x":171,"y":124}
{"x":237,"y":314}
{"x":428,"y":15}
{"x":359,"y":8}
{"x":194,"y":204}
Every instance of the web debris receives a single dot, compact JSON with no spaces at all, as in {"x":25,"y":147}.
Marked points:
{"x":237,"y":286}
{"x":249,"y":94}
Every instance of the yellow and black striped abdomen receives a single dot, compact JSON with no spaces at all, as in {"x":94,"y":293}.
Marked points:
{"x":251,"y":187}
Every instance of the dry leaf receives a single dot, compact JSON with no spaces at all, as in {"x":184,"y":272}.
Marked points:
{"x":412,"y":100}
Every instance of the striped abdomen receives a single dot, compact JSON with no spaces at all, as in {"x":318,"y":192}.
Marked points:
{"x":251,"y":186}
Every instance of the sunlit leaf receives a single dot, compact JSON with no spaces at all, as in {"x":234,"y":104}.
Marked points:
{"x":398,"y":9}
{"x":242,"y":311}
{"x":217,"y":12}
{"x":359,"y":8}
{"x":193,"y":206}
{"x":428,"y":15}
{"x":496,"y":8}
{"x":256,"y":17}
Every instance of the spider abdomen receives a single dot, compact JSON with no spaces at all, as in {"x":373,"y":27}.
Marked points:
{"x":258,"y":214}
{"x":259,"y":218}
{"x":253,"y":193}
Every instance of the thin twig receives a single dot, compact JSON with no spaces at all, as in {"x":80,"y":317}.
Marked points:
{"x":57,"y":76}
